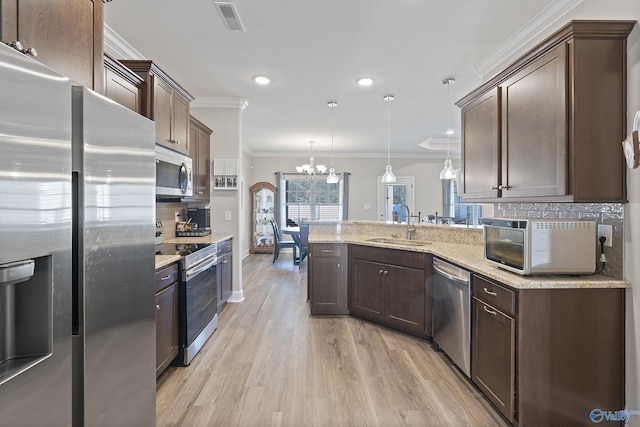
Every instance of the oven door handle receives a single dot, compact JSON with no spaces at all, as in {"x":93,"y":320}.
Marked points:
{"x":204,"y":266}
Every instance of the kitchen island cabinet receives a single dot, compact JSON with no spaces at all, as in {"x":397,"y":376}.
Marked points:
{"x":166,"y":316}
{"x":327,"y":279}
{"x":67,"y":35}
{"x":391,"y":287}
{"x":166,"y":103}
{"x":557,"y":115}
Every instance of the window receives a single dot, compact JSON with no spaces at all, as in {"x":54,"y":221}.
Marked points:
{"x":453,"y":206}
{"x":302,"y":199}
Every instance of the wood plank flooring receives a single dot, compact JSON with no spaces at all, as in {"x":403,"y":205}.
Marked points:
{"x":272,"y":364}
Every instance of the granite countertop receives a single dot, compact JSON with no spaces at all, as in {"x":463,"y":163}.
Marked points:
{"x":164,"y":260}
{"x":471,"y":257}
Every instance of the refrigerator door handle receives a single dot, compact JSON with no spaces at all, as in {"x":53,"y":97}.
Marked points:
{"x":16,"y":272}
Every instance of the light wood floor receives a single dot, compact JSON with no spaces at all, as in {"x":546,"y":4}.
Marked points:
{"x":271,"y":364}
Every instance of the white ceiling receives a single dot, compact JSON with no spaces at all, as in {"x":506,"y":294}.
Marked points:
{"x":315,"y":50}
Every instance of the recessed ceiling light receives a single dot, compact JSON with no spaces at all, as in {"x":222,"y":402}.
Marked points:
{"x":365,"y":81}
{"x":262,"y":80}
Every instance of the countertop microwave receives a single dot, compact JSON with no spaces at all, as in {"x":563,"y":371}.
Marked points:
{"x":174,"y":173}
{"x":539,"y":246}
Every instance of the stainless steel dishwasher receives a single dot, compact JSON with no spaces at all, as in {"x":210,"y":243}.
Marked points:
{"x":452,"y":312}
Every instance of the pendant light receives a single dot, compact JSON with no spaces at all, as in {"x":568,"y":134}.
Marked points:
{"x":388,"y":176}
{"x":448,"y":172}
{"x":332,"y":178}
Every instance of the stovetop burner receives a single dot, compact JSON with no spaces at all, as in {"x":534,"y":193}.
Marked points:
{"x":192,"y":253}
{"x":182,"y":249}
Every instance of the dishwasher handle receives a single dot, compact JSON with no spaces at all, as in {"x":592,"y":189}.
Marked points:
{"x":456,"y":278}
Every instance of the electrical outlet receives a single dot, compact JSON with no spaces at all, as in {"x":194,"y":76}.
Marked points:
{"x":177,"y":216}
{"x":227,"y":215}
{"x":606,"y":230}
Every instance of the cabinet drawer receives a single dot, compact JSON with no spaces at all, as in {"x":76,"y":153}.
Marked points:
{"x":498,"y":296}
{"x":166,"y":276}
{"x":326,"y":250}
{"x":224,"y":247}
{"x":398,"y":257}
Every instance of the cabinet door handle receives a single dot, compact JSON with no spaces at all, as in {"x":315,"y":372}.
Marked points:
{"x":380,"y":271}
{"x":326,"y":251}
{"x":489,"y":311}
{"x":158,"y":307}
{"x":506,"y":187}
{"x":200,"y":192}
{"x":495,"y":188}
{"x":385,"y":272}
{"x":31,"y":52}
{"x":493,"y":294}
{"x":338,"y":265}
{"x":165,"y":277}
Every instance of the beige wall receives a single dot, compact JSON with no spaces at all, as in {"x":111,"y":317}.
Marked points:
{"x":363,"y":180}
{"x":226,"y":141}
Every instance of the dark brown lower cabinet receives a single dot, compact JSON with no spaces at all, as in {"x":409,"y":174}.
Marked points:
{"x":404,"y":297}
{"x":391,"y":287}
{"x":327,"y":279}
{"x":166,"y":317}
{"x":548,"y":357}
{"x":493,"y":359}
{"x":366,"y":289}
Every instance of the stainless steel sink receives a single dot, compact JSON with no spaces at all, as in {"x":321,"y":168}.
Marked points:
{"x":399,"y":242}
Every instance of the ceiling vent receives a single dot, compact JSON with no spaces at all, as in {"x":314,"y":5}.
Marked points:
{"x":229,"y":15}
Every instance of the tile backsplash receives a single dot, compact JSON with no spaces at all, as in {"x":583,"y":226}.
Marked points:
{"x":602,"y":213}
{"x":165,"y":212}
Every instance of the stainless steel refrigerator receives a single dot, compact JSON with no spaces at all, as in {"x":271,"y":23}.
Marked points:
{"x":77,"y":216}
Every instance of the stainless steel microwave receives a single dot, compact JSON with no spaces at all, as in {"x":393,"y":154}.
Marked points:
{"x":174,"y":173}
{"x":538,"y":246}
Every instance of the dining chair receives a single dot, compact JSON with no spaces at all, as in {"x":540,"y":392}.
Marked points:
{"x":280,"y":243}
{"x":303,"y":242}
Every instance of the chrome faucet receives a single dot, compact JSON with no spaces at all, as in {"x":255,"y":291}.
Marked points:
{"x":410,"y":230}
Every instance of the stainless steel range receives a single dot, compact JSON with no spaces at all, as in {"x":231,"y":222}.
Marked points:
{"x":198,"y":296}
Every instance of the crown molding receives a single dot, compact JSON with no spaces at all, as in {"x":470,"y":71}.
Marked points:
{"x":118,"y":47}
{"x":524,"y":38}
{"x":220,"y":103}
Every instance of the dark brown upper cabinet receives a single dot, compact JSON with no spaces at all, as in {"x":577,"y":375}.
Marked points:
{"x":199,"y":151}
{"x":122,"y":85}
{"x":166,"y":103}
{"x":549,"y":127}
{"x":67,"y":35}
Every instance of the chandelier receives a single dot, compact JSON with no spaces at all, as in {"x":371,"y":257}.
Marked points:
{"x":312,"y":170}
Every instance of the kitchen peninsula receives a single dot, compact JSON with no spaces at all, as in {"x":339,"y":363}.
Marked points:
{"x":545,"y":349}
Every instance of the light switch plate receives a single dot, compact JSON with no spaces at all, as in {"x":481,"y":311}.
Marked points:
{"x":227,"y":215}
{"x":606,"y":230}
